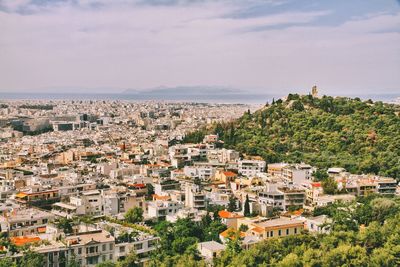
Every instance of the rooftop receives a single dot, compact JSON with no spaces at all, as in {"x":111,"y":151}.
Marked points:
{"x":26,"y":215}
{"x":283,"y":221}
{"x":98,"y":236}
{"x":211,"y":245}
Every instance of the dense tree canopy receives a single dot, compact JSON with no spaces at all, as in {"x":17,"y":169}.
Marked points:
{"x":179,"y":240}
{"x":134,"y":215}
{"x":360,"y":235}
{"x":361,"y":136}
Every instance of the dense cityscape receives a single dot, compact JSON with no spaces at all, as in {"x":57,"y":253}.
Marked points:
{"x":199,"y":133}
{"x":100,"y":183}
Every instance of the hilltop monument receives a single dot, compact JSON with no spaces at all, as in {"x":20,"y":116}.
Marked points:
{"x":314,"y":91}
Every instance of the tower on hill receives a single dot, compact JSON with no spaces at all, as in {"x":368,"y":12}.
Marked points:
{"x":314,"y":91}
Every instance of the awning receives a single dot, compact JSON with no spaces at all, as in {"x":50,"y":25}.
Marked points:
{"x":21,"y":195}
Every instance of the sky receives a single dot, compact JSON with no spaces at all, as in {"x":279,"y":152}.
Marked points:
{"x":264,"y":46}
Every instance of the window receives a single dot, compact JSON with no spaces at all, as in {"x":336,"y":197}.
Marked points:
{"x":104,"y":257}
{"x":279,"y":232}
{"x":272,"y":234}
{"x":138,"y":246}
{"x":295,"y":230}
{"x":79,"y":251}
{"x":92,"y":249}
{"x":104,"y":247}
{"x":111,"y":246}
{"x":287,"y":231}
{"x":121,"y":249}
{"x":92,"y":260}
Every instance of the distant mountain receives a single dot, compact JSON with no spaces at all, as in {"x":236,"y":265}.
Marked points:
{"x":361,"y":136}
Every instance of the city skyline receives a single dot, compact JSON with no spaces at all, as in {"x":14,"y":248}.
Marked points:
{"x":260,"y":46}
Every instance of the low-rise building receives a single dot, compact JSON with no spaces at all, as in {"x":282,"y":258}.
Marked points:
{"x":91,"y":248}
{"x":161,"y":208}
{"x":210,"y":249}
{"x":269,"y":228}
{"x":25,"y":222}
{"x":318,"y":224}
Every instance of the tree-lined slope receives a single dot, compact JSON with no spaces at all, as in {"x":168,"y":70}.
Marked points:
{"x":361,"y":136}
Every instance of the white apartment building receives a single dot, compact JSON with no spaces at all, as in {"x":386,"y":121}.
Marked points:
{"x":91,"y":201}
{"x":283,"y":198}
{"x":297,"y":173}
{"x":202,"y":172}
{"x":162,"y":208}
{"x":194,"y":196}
{"x":251,"y":168}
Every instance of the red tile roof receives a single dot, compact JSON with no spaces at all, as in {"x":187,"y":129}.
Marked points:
{"x":22,"y":240}
{"x":230,"y":174}
{"x":228,"y":215}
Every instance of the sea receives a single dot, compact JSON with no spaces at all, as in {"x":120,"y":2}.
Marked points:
{"x":236,"y":98}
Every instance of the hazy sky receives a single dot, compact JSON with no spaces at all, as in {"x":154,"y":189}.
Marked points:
{"x":349,"y":46}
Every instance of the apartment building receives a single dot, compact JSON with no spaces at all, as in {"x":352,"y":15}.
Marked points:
{"x":251,"y":168}
{"x":90,"y":201}
{"x":91,"y":248}
{"x":363,"y":185}
{"x":24,"y":222}
{"x":204,"y":173}
{"x":37,"y":197}
{"x":297,"y":173}
{"x":194,"y":196}
{"x":276,"y":169}
{"x":194,"y":214}
{"x":161,"y":208}
{"x":283,"y":198}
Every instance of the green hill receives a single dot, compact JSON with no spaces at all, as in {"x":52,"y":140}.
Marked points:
{"x":361,"y":136}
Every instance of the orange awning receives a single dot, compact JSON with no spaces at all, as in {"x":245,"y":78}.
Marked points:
{"x":21,"y":195}
{"x":42,"y":229}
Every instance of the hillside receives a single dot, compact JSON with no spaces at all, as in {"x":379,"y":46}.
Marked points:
{"x":361,"y":136}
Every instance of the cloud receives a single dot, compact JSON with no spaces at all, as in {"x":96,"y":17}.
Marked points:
{"x":138,"y":44}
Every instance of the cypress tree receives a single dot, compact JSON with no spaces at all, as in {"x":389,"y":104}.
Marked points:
{"x":247,"y":206}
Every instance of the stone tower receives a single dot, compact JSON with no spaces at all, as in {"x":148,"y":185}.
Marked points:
{"x":314,"y":91}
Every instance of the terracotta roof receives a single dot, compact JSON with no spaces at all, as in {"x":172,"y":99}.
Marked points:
{"x":258,"y":229}
{"x":137,"y":185}
{"x":22,"y":240}
{"x":228,"y":215}
{"x":158,"y":197}
{"x":230,"y":174}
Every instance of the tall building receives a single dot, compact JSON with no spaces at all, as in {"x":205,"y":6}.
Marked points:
{"x":194,"y":197}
